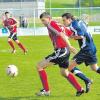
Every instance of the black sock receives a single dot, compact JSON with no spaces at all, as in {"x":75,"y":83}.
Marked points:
{"x":98,"y":70}
{"x":79,"y":74}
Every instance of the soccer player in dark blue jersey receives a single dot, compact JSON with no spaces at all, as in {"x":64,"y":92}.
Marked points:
{"x":87,"y":53}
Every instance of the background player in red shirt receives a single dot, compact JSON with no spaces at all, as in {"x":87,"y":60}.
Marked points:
{"x":60,"y":56}
{"x":11,"y":24}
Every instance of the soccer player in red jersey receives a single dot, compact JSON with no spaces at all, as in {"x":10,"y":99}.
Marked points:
{"x":60,"y":56}
{"x":11,"y":24}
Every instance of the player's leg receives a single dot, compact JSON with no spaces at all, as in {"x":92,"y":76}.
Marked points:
{"x":63,"y":62}
{"x":83,"y":77}
{"x":11,"y":43}
{"x":77,"y":72}
{"x":80,"y":74}
{"x":78,"y":59}
{"x":19,"y":43}
{"x":95,"y":68}
{"x":43,"y":76}
{"x":92,"y":61}
{"x":72,"y":65}
{"x":21,"y":46}
{"x":71,"y":78}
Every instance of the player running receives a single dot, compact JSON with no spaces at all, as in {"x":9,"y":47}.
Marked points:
{"x":11,"y":24}
{"x":60,"y":56}
{"x":87,"y":53}
{"x":75,"y":70}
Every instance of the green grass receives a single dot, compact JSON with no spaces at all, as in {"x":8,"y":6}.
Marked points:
{"x":94,"y":23}
{"x":71,"y":3}
{"x":61,"y":3}
{"x":24,"y":86}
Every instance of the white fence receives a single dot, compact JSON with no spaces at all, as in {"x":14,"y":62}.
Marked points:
{"x":43,"y":31}
{"x":36,"y":28}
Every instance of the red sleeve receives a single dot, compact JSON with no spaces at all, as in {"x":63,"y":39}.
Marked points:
{"x":55,"y":27}
{"x":69,"y":33}
{"x":14,"y":21}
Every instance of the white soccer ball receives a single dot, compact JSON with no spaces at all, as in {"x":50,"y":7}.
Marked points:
{"x":12,"y":70}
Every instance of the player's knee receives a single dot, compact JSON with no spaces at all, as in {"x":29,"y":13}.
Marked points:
{"x":9,"y":39}
{"x":39,"y":67}
{"x":72,"y":65}
{"x":94,"y":67}
{"x":17,"y":41}
{"x":64,"y":72}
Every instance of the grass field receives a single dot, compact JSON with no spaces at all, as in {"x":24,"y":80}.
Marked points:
{"x":71,"y":3}
{"x":24,"y":86}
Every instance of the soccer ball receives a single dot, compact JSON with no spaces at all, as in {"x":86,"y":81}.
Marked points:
{"x":12,"y":70}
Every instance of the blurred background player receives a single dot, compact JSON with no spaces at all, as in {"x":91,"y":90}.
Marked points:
{"x":11,"y":24}
{"x":60,"y":56}
{"x":87,"y":53}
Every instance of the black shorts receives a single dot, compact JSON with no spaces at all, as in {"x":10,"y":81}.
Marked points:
{"x":13,"y":36}
{"x":60,"y":57}
{"x":86,"y":56}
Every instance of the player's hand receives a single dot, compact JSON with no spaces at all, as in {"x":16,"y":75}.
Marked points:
{"x":72,"y":49}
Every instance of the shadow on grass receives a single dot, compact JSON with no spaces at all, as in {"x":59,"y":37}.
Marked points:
{"x":34,"y":97}
{"x":20,"y":98}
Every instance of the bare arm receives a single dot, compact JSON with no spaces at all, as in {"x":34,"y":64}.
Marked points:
{"x":77,"y":37}
{"x":65,"y":38}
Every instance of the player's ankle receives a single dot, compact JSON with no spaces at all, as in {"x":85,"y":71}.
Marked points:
{"x":47,"y":90}
{"x":98,"y":70}
{"x":81,"y":89}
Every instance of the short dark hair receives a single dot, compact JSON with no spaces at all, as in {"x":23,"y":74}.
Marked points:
{"x":6,"y":12}
{"x":45,"y":14}
{"x":68,"y":15}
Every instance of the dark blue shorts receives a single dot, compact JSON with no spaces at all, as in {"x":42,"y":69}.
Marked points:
{"x":13,"y":36}
{"x":60,"y":57}
{"x":85,"y":56}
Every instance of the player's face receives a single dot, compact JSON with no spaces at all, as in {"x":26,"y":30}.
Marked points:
{"x":45,"y":20}
{"x":7,"y":15}
{"x":66,"y":21}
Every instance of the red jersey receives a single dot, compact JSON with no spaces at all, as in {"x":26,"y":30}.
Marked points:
{"x":9,"y":22}
{"x":67,"y":31}
{"x":55,"y":30}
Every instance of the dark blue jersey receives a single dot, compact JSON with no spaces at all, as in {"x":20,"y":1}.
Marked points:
{"x":80,"y":29}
